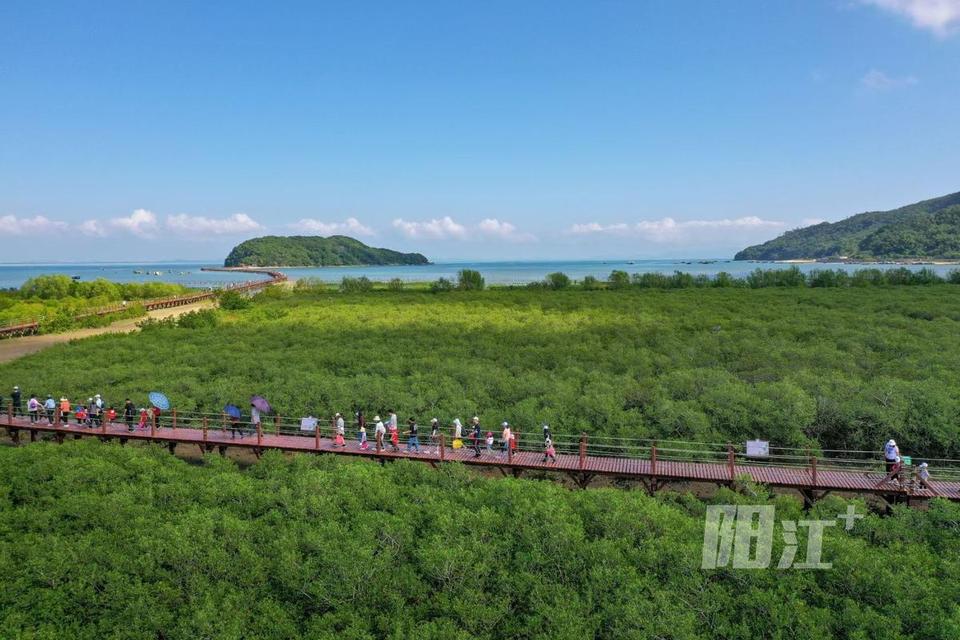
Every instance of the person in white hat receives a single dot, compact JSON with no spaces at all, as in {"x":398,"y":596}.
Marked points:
{"x":379,"y":431}
{"x":15,"y":402}
{"x":891,"y":452}
{"x":341,"y":430}
{"x":923,"y":476}
{"x":435,"y":435}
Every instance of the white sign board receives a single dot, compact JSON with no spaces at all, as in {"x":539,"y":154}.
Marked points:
{"x":308,"y":424}
{"x":758,"y":448}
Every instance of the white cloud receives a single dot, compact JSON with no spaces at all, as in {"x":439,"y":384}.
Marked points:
{"x":92,"y":228}
{"x":141,"y":223}
{"x":670,"y":231}
{"x":237,"y":223}
{"x":942,"y":17}
{"x":350,"y":226}
{"x":879,"y":81}
{"x":494,"y":228}
{"x":437,"y":229}
{"x":447,"y":228}
{"x":29,"y":226}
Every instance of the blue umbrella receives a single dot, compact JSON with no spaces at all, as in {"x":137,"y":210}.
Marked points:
{"x":233,"y":411}
{"x":159,"y":400}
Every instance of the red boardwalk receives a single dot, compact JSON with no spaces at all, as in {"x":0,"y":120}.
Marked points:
{"x":830,"y":475}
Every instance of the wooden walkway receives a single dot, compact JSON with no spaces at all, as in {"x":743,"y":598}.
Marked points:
{"x":33,"y":327}
{"x":813,"y":481}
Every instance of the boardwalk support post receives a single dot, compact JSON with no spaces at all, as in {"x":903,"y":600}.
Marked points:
{"x":153,"y":425}
{"x":583,"y":450}
{"x":259,"y":438}
{"x":316,"y":436}
{"x":205,"y":433}
{"x":174,"y":418}
{"x":276,"y":425}
{"x":443,"y":448}
{"x":731,"y":460}
{"x":813,"y":470}
{"x":653,"y":458}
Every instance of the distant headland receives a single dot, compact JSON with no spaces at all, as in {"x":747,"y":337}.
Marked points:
{"x":921,"y":233}
{"x":315,"y":251}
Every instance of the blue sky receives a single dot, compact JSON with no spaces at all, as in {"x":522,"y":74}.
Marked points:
{"x":495,"y":130}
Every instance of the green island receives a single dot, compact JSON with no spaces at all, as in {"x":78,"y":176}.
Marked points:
{"x":98,"y":540}
{"x":927,"y":230}
{"x":314,"y":251}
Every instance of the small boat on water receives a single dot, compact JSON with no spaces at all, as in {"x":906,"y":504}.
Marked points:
{"x":138,"y":272}
{"x":75,"y":277}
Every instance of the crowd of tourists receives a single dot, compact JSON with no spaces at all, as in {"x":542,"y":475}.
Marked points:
{"x":95,"y":412}
{"x":386,"y":433}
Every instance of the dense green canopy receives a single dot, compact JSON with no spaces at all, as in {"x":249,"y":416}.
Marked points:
{"x":99,"y":541}
{"x":928,"y":229}
{"x":313,"y":251}
{"x":842,"y":368}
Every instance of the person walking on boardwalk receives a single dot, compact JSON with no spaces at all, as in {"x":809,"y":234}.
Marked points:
{"x":394,"y":436}
{"x":362,"y":437}
{"x":33,"y":408}
{"x":457,"y":433}
{"x":98,"y":401}
{"x":548,"y":450}
{"x":64,"y":410}
{"x":144,"y":419}
{"x":891,"y":453}
{"x":92,"y":412}
{"x":15,"y":402}
{"x":111,"y":415}
{"x":546,"y":433}
{"x":81,"y":415}
{"x":413,"y":442}
{"x":129,"y":413}
{"x":435,"y":435}
{"x":923,"y":476}
{"x":894,"y":473}
{"x":51,"y":407}
{"x":254,"y":418}
{"x":506,"y":436}
{"x":361,"y":421}
{"x":392,"y":422}
{"x":490,"y":442}
{"x":378,"y":432}
{"x":341,"y":431}
{"x":476,"y":436}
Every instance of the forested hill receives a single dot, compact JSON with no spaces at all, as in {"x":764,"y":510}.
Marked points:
{"x":313,"y":251}
{"x":928,"y":229}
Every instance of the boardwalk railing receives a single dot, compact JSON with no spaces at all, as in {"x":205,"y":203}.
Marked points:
{"x":582,"y":456}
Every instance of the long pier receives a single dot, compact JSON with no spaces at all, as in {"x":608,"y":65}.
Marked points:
{"x":582,"y":458}
{"x":33,"y":327}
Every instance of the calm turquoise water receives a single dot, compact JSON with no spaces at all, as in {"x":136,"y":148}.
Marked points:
{"x":188,"y":273}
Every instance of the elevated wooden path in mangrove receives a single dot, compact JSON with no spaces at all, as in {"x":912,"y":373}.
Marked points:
{"x":652,"y":463}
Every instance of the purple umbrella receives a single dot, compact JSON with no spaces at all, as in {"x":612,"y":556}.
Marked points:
{"x":261,"y":403}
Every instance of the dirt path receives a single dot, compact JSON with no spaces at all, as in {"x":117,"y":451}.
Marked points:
{"x":13,"y":348}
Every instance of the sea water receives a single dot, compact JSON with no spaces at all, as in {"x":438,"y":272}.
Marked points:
{"x":190,"y":274}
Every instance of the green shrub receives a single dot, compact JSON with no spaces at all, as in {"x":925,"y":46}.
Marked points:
{"x":395,"y":284}
{"x":618,"y":279}
{"x":233,"y":300}
{"x":590,"y":283}
{"x":442,"y":284}
{"x":470,"y":280}
{"x":355,"y":285}
{"x":200,"y":319}
{"x":557,"y":280}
